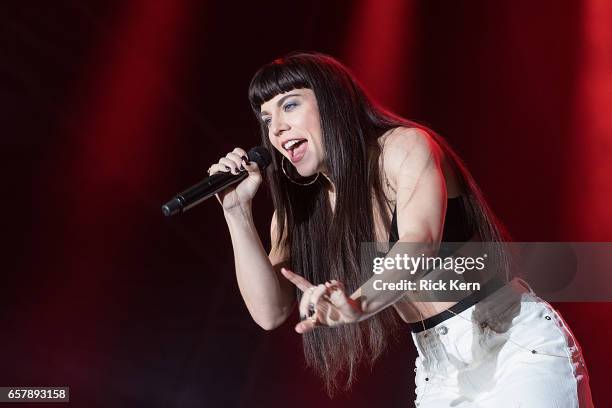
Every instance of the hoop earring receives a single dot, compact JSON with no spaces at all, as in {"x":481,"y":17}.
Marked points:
{"x":292,"y":180}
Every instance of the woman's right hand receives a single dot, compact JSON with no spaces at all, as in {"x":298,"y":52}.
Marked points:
{"x":241,"y":193}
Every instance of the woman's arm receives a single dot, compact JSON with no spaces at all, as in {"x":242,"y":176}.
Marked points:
{"x":413,"y":164}
{"x":268,"y":296}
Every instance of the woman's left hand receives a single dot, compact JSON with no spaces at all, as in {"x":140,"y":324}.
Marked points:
{"x":323,"y":305}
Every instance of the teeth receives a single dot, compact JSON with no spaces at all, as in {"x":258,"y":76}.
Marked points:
{"x":291,"y":143}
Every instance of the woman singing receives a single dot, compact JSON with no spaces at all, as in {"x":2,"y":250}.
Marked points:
{"x":344,"y":172}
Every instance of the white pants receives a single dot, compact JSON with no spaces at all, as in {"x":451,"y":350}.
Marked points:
{"x":512,"y":349}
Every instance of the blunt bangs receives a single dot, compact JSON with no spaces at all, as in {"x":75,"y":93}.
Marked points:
{"x":276,"y":78}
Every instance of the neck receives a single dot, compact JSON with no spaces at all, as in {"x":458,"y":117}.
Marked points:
{"x":331,"y":193}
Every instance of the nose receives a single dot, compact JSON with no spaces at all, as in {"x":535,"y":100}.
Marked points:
{"x":278,"y":125}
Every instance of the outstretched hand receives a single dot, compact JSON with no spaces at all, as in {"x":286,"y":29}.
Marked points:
{"x":323,"y":305}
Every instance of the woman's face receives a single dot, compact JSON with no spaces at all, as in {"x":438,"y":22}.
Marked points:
{"x":294,"y":129}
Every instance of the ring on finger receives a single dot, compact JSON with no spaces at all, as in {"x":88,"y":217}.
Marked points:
{"x":311,"y":310}
{"x":310,"y":314}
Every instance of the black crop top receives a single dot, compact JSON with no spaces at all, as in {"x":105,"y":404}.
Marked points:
{"x":456,"y":225}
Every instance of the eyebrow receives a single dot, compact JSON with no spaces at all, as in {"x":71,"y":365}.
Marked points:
{"x":280,"y":102}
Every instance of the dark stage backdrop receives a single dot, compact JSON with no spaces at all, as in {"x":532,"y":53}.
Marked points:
{"x":110,"y":107}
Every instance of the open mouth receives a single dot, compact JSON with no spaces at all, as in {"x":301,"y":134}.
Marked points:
{"x":296,"y":149}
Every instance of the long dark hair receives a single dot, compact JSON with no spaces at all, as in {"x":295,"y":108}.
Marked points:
{"x":325,"y":245}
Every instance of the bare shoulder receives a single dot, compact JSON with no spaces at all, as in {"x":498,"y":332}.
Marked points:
{"x":407,"y":150}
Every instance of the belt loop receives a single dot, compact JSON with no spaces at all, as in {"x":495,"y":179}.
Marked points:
{"x":524,"y":284}
{"x":417,"y":338}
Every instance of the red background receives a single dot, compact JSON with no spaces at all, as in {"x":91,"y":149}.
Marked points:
{"x":110,"y":107}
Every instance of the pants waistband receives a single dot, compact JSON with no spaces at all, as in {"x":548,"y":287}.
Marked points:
{"x":487,"y":288}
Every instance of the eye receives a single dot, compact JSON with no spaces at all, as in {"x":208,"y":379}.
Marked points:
{"x":289,"y":106}
{"x":267,"y":121}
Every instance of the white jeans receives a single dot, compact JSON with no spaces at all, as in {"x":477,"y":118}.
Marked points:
{"x":512,"y":349}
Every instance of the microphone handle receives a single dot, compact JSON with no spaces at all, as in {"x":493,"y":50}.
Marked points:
{"x":213,"y":184}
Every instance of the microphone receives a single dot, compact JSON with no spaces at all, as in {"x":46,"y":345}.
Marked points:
{"x":211,"y":185}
